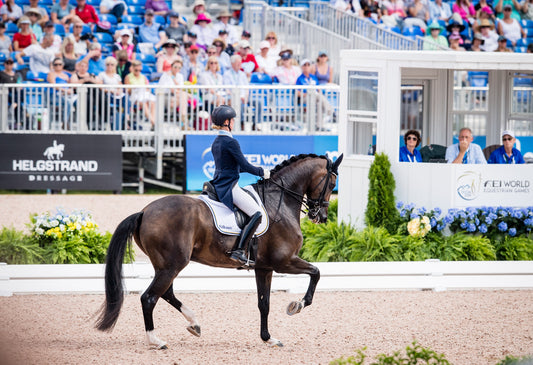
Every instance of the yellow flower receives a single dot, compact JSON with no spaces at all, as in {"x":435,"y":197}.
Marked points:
{"x":419,"y":227}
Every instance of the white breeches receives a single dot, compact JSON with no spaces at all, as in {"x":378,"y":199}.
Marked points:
{"x":244,"y":201}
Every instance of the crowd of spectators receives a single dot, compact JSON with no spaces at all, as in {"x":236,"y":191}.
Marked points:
{"x":497,"y":25}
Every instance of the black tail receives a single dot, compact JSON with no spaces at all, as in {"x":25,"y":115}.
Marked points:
{"x":114,"y":293}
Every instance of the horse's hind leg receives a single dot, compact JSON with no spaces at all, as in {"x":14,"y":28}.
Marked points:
{"x":193,"y":327}
{"x":263,"y":279}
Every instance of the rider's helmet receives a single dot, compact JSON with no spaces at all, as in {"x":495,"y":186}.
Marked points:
{"x":221,"y":114}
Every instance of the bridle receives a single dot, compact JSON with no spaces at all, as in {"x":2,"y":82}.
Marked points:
{"x":313,"y":206}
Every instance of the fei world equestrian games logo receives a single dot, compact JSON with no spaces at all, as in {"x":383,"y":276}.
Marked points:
{"x":469,"y":185}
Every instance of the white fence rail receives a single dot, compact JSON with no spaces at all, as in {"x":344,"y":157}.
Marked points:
{"x":342,"y":276}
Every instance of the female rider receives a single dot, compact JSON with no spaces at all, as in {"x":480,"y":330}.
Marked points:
{"x":229,"y":162}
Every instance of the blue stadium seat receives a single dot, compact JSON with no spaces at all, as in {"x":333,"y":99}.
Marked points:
{"x":109,"y":18}
{"x":522,"y":42}
{"x":104,"y":38}
{"x":526,"y":23}
{"x":529,"y":32}
{"x":478,"y":78}
{"x":136,"y":2}
{"x":127,"y":26}
{"x":133,"y":19}
{"x":412,"y":32}
{"x":147,"y":59}
{"x":11,"y":28}
{"x":94,"y":3}
{"x":36,"y":77}
{"x":160,"y":19}
{"x":46,"y":3}
{"x":59,"y":30}
{"x":520,"y":49}
{"x":260,"y":78}
{"x":147,"y":70}
{"x":2,"y":57}
{"x":135,"y":10}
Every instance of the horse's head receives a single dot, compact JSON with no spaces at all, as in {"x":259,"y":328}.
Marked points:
{"x":320,"y":188}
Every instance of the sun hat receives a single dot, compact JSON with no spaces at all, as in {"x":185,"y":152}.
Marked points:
{"x":125,"y":32}
{"x":508,"y":133}
{"x":33,"y":11}
{"x":435,"y":25}
{"x":286,"y":53}
{"x":485,"y":23}
{"x":198,"y":3}
{"x":264,"y":44}
{"x":23,"y":20}
{"x":244,"y":44}
{"x":202,"y":18}
{"x":454,"y":23}
{"x":170,"y":42}
{"x":454,"y":36}
{"x":224,"y":13}
{"x":218,"y":40}
{"x":305,"y":61}
{"x":487,"y":9}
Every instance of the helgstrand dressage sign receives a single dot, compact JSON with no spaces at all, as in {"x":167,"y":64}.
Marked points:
{"x":59,"y":161}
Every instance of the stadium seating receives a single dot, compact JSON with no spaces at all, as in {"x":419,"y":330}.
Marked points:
{"x":11,"y":28}
{"x":104,"y":38}
{"x":36,"y":77}
{"x":133,"y":19}
{"x":478,"y":78}
{"x":260,"y":78}
{"x":135,"y":10}
{"x":60,"y":30}
{"x":109,"y":18}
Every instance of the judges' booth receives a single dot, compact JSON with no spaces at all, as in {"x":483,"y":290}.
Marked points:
{"x":386,"y":93}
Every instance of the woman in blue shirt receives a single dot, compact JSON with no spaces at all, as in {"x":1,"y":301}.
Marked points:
{"x":229,"y":162}
{"x":409,"y":153}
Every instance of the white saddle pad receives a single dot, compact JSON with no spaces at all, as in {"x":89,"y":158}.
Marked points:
{"x":224,"y":217}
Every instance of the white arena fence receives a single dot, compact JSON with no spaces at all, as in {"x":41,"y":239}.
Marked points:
{"x":104,"y":109}
{"x":340,"y":276}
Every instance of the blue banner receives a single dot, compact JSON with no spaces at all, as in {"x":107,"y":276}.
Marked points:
{"x":265,"y":151}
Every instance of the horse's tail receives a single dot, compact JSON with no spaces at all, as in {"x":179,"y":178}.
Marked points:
{"x":114,"y":293}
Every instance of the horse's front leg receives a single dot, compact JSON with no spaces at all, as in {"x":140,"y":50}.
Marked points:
{"x":263,"y":279}
{"x":298,"y":266}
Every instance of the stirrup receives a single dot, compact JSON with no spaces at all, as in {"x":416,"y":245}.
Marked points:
{"x":240,"y":257}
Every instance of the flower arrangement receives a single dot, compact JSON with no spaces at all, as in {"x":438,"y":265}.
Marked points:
{"x":48,"y":227}
{"x":428,"y":221}
{"x":419,"y":226}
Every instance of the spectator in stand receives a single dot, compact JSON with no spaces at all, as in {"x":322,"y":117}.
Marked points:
{"x":203,"y":30}
{"x":440,"y":10}
{"x":371,"y":10}
{"x":266,"y":64}
{"x":192,"y":37}
{"x":249,"y":64}
{"x":393,"y":12}
{"x":235,"y":76}
{"x":178,"y":97}
{"x":140,"y":95}
{"x":5,"y":41}
{"x":160,"y":7}
{"x":34,"y":4}
{"x":502,"y":45}
{"x":434,"y":37}
{"x":63,"y":12}
{"x":192,"y":66}
{"x":275,"y":47}
{"x":465,"y":152}
{"x":223,"y":57}
{"x":10,"y":12}
{"x":110,"y":77}
{"x":83,"y":76}
{"x":306,"y":78}
{"x":123,"y":64}
{"x":125,"y":43}
{"x":86,"y":13}
{"x":454,"y":42}
{"x":49,"y":28}
{"x":211,"y":76}
{"x":515,"y":8}
{"x":507,"y":154}
{"x":70,"y":57}
{"x":223,"y":23}
{"x":118,"y":8}
{"x":456,"y":26}
{"x":490,"y":37}
{"x":510,"y":28}
{"x":176,"y":30}
{"x":418,"y":14}
{"x":223,"y":36}
{"x":477,"y":43}
{"x":34,"y":15}
{"x":94,"y":59}
{"x":150,"y":31}
{"x":482,"y":4}
{"x":527,"y":9}
{"x":81,"y":41}
{"x":483,"y":13}
{"x":246,"y":35}
{"x":198,"y":7}
{"x":465,"y":9}
{"x":166,"y":59}
{"x":322,"y":70}
{"x":40,"y":54}
{"x":409,"y":153}
{"x":287,"y":72}
{"x":24,"y":37}
{"x":529,"y":48}
{"x":9,"y":76}
{"x":58,"y":75}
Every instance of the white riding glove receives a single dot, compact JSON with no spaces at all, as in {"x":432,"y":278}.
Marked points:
{"x":266,"y":174}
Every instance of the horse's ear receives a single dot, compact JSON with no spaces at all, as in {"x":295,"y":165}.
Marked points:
{"x":337,"y":163}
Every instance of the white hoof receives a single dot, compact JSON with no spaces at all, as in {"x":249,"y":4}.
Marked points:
{"x":154,"y":342}
{"x":272,"y":342}
{"x":295,"y":307}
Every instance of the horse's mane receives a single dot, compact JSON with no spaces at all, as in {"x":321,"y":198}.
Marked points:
{"x":293,"y":159}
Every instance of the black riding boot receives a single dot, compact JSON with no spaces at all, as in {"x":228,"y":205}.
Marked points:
{"x":247,"y":233}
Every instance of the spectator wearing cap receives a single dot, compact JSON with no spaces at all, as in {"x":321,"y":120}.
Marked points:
{"x":223,"y":56}
{"x":481,"y":4}
{"x":80,"y":42}
{"x":150,"y":31}
{"x":5,"y":42}
{"x":454,"y":42}
{"x":203,"y":30}
{"x":266,"y":64}
{"x":499,"y":6}
{"x":527,"y":10}
{"x":477,"y":42}
{"x":86,"y":13}
{"x":434,"y":38}
{"x":502,"y":45}
{"x":287,"y":73}
{"x":483,"y":13}
{"x":160,"y":7}
{"x":166,"y":58}
{"x":223,"y":23}
{"x":306,"y":78}
{"x":456,"y":26}
{"x":490,"y":38}
{"x":94,"y":59}
{"x":34,"y":15}
{"x":40,"y":54}
{"x":322,"y":70}
{"x":506,"y":154}
{"x":9,"y":76}
{"x":440,"y":10}
{"x":509,"y":27}
{"x":275,"y":46}
{"x":24,"y":37}
{"x":10,"y":12}
{"x":249,"y":63}
{"x":176,"y":30}
{"x":198,"y":7}
{"x":192,"y":65}
{"x":246,"y":35}
{"x":223,"y":35}
{"x":118,"y":8}
{"x":125,"y":42}
{"x":34,"y":4}
{"x":49,"y":28}
{"x":63,"y":12}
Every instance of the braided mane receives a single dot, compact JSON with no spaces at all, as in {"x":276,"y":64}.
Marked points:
{"x":293,"y":159}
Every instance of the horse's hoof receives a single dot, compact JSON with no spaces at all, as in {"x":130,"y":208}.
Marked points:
{"x":164,"y":347}
{"x":195,"y":330}
{"x":272,"y":342}
{"x":294,"y":307}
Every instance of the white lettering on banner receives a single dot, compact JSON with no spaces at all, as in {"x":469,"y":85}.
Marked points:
{"x":55,"y":165}
{"x":471,"y":185}
{"x":274,"y":159}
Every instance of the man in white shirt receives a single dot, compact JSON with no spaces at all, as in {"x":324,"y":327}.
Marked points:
{"x":80,"y":42}
{"x":41,"y":55}
{"x":266,"y":63}
{"x":223,"y":23}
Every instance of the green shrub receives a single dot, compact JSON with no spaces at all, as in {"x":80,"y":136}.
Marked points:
{"x":463,"y":247}
{"x":327,"y":242}
{"x":512,"y":360}
{"x":514,"y":248}
{"x":18,"y":248}
{"x":381,"y":210}
{"x":375,"y":244}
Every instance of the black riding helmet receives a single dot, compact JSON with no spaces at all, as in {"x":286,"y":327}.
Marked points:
{"x":221,"y":114}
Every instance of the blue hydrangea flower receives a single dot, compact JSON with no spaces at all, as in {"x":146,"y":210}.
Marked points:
{"x":403,"y":213}
{"x":440,"y":227}
{"x":488,"y":220}
{"x":502,"y":226}
{"x":492,"y":216}
{"x":464,"y":225}
{"x":414,"y":215}
{"x":477,"y":221}
{"x":483,"y":228}
{"x":471,"y":227}
{"x":399,"y":205}
{"x":448,"y":219}
{"x":421,"y":211}
{"x":512,"y":232}
{"x":528,"y":222}
{"x":433,"y":222}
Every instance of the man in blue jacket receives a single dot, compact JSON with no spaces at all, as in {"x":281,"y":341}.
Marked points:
{"x":507,"y":154}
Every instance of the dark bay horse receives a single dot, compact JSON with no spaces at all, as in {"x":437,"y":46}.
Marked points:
{"x":174,"y":230}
